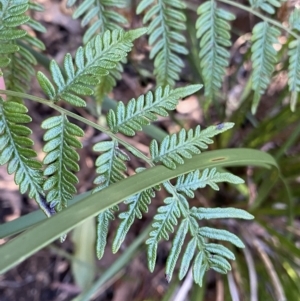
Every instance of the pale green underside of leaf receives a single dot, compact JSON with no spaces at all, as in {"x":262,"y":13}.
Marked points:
{"x":177,"y":147}
{"x":93,"y":61}
{"x":61,"y":160}
{"x":99,"y":15}
{"x":139,"y":112}
{"x":193,"y":181}
{"x":263,"y":59}
{"x":294,"y":71}
{"x":213,"y":30}
{"x":294,"y":19}
{"x":16,"y":61}
{"x":111,"y":169}
{"x":166,"y":23}
{"x":268,"y":6}
{"x":16,"y":151}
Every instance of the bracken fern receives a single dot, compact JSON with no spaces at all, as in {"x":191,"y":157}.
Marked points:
{"x":94,"y":70}
{"x":111,"y":168}
{"x":213,"y":30}
{"x":16,"y":58}
{"x":101,"y":16}
{"x":167,"y":21}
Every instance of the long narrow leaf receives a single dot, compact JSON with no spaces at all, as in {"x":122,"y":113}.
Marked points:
{"x":39,"y":236}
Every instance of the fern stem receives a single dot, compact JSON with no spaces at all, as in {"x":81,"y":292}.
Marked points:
{"x":102,"y":129}
{"x":261,"y":16}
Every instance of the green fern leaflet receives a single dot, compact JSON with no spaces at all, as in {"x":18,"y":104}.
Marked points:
{"x":167,"y":21}
{"x":213,"y":30}
{"x":111,"y":168}
{"x":92,"y":62}
{"x":101,"y":14}
{"x":268,"y":6}
{"x":16,"y":151}
{"x":294,"y":71}
{"x":61,"y":160}
{"x":138,"y":112}
{"x":263,"y":58}
{"x":174,"y":148}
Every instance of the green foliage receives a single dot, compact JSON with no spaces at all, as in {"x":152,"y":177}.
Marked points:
{"x":137,"y":205}
{"x":294,"y":19}
{"x":167,"y":219}
{"x":167,"y":21}
{"x":268,"y":6}
{"x":213,"y":30}
{"x":92,"y":62}
{"x":190,"y":182}
{"x":16,"y":151}
{"x":111,"y":169}
{"x":139,"y":112}
{"x":263,"y":58}
{"x":175,"y":147}
{"x":294,"y":71}
{"x":16,"y":59}
{"x":95,"y":68}
{"x":60,"y":160}
{"x":100,"y":14}
{"x":164,"y":222}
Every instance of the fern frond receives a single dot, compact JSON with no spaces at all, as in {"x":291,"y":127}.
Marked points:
{"x":192,"y":181}
{"x":111,"y":169}
{"x":16,"y":58}
{"x":100,"y":14}
{"x":263,"y":58}
{"x":294,"y":19}
{"x":294,"y":71}
{"x":165,"y":35}
{"x":61,"y":160}
{"x":92,"y":61}
{"x":11,"y":17}
{"x":268,"y":6}
{"x":130,"y":118}
{"x":175,"y":147}
{"x":137,"y":205}
{"x":16,"y":151}
{"x":164,"y":222}
{"x":213,"y":30}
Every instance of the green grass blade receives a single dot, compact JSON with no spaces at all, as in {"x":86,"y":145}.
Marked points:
{"x":41,"y":235}
{"x":115,"y":267}
{"x":26,"y":221}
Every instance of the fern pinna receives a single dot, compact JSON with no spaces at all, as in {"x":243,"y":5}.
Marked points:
{"x":167,"y":22}
{"x":128,"y":119}
{"x":99,"y":16}
{"x":17,"y":62}
{"x":294,"y":59}
{"x":213,"y":30}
